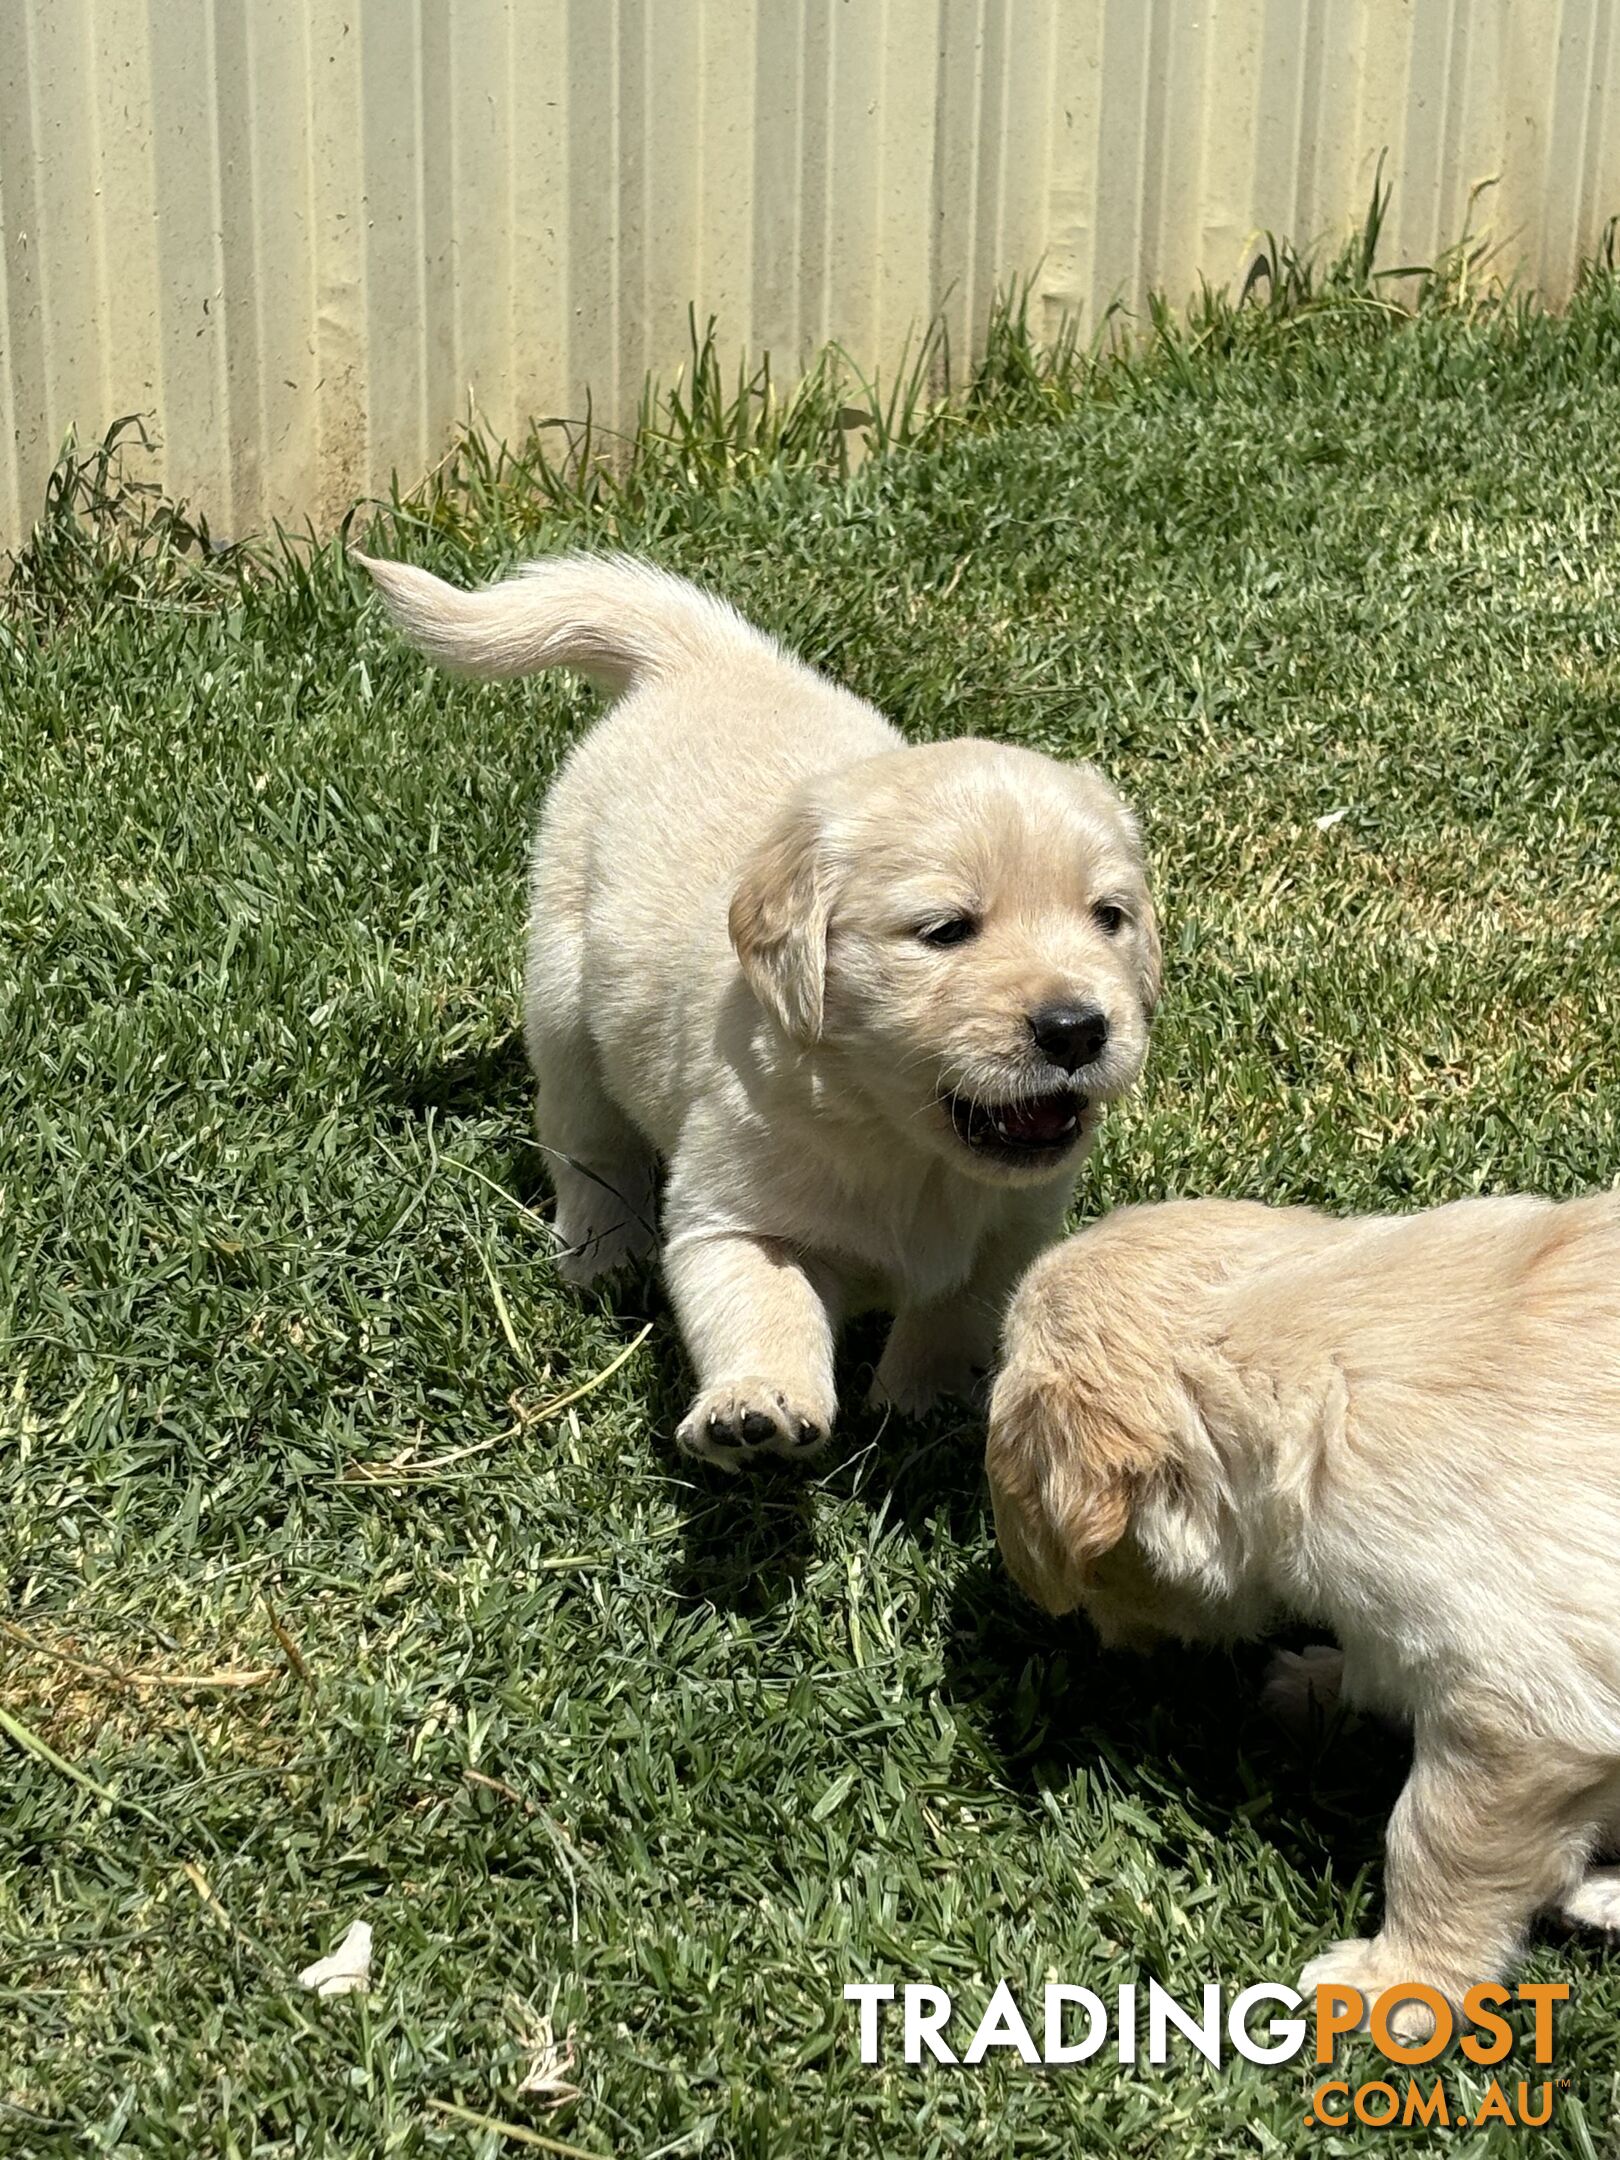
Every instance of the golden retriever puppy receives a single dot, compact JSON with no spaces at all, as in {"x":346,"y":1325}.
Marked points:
{"x":1406,"y":1428}
{"x":863,"y":1001}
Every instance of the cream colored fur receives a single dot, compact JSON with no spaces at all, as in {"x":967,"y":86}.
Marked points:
{"x":726,"y":975}
{"x":1405,"y":1428}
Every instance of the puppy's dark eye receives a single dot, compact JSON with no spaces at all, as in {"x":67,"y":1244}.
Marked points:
{"x":1110,"y":920}
{"x":954,"y":930}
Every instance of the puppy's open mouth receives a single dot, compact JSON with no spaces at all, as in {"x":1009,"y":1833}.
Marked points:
{"x":1034,"y":1126}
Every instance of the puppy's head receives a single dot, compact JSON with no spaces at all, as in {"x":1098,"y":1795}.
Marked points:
{"x":967,"y":928}
{"x":1109,"y":1489}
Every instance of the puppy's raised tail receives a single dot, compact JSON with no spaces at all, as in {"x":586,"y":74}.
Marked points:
{"x":609,"y":617}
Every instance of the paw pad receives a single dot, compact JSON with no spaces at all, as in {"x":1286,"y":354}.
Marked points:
{"x":747,"y":1419}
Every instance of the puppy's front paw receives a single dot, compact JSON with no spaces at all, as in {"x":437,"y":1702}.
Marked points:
{"x":741,"y":1420}
{"x":914,"y":1385}
{"x":1302,"y":1687}
{"x":1366,"y":1965}
{"x":1595,"y":1900}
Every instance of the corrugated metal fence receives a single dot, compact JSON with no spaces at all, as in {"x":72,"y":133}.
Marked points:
{"x":303,"y":234}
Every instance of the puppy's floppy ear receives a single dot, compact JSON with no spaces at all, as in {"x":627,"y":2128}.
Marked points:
{"x":778,"y":921}
{"x":1064,"y":1474}
{"x":1150,"y":977}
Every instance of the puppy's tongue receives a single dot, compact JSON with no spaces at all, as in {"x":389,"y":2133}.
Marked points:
{"x":1040,"y":1123}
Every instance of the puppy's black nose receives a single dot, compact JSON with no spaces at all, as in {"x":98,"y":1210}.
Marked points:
{"x":1070,"y":1035}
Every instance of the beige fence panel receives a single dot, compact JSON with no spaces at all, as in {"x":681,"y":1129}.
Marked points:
{"x":307,"y":236}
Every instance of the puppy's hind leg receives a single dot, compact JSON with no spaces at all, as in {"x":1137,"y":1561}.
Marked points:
{"x":602,"y":1174}
{"x":601,"y":1169}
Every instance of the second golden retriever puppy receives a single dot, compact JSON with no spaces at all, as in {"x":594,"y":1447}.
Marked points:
{"x":1405,"y":1428}
{"x":863,"y":1000}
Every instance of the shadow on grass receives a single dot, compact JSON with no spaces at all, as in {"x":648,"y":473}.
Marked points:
{"x":1050,"y":1700}
{"x":747,"y":1539}
{"x":1046,"y":1701}
{"x":477,"y":1083}
{"x":1180,"y":1729}
{"x":750,"y":1537}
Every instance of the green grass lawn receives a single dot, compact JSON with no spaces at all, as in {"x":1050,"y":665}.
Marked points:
{"x":582,"y":1732}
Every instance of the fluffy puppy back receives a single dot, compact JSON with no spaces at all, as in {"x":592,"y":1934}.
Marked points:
{"x":609,"y":617}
